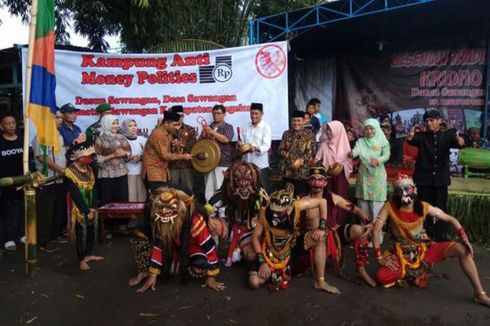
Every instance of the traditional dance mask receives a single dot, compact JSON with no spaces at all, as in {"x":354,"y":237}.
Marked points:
{"x":167,"y":207}
{"x":281,"y":203}
{"x":243,"y":180}
{"x":404,"y":189}
{"x":317,"y":178}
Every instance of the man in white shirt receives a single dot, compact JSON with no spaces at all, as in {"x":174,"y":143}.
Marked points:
{"x":257,"y":133}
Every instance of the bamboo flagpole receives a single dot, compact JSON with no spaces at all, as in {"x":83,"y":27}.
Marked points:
{"x":29,"y":192}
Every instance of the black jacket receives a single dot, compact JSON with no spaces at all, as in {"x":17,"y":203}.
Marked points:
{"x":432,"y":165}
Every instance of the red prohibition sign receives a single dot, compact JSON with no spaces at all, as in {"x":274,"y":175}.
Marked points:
{"x":270,"y":61}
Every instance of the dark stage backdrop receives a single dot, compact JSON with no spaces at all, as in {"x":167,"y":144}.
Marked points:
{"x":406,"y":84}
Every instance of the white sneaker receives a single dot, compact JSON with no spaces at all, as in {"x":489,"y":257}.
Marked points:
{"x":23,"y":239}
{"x":10,"y":246}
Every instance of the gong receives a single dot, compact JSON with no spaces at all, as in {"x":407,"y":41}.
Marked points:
{"x":205,"y":155}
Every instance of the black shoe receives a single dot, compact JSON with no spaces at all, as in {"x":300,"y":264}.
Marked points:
{"x":49,"y":248}
{"x":60,"y":240}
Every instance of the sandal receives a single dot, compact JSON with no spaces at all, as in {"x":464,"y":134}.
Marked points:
{"x":10,"y":246}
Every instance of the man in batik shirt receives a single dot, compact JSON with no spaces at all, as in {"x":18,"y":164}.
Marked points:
{"x":183,"y":139}
{"x":296,"y":150}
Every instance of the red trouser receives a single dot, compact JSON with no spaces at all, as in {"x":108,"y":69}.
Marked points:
{"x":436,"y":252}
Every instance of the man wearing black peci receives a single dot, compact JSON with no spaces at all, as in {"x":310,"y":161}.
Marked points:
{"x":432,"y":167}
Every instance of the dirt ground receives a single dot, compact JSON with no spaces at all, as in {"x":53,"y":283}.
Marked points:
{"x":64,"y":295}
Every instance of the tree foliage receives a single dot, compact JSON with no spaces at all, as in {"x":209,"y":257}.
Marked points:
{"x":143,"y":24}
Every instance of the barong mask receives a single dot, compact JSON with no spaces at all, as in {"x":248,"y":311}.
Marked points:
{"x":243,"y":180}
{"x":404,"y":190}
{"x":169,"y":209}
{"x":317,"y":178}
{"x":166,"y":211}
{"x":281,"y":204}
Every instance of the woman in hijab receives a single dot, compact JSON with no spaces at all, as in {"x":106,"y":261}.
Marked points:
{"x":371,"y":185}
{"x":136,"y":187}
{"x":112,"y":150}
{"x":333,"y":153}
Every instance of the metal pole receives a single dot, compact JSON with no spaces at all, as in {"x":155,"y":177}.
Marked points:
{"x":29,"y":193}
{"x":257,"y":34}
{"x":250,"y":32}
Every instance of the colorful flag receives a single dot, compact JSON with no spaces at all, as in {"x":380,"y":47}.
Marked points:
{"x":42,"y":101}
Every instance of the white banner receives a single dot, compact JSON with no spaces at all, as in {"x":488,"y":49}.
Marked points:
{"x":143,"y":86}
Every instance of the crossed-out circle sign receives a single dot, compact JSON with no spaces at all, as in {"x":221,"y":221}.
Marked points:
{"x":271,"y":61}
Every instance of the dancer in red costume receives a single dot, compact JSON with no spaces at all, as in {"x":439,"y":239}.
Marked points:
{"x":322,"y":244}
{"x":414,"y":252}
{"x":234,"y":210}
{"x":181,"y":241}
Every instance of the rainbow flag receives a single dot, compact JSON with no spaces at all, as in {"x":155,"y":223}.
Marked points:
{"x":42,"y":101}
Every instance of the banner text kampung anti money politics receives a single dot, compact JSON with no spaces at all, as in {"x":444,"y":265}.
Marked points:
{"x":143,"y":86}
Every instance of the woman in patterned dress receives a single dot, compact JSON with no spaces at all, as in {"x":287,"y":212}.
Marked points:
{"x":373,"y":151}
{"x":112,"y":149}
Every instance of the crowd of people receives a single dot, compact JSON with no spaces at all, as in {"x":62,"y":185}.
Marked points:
{"x":293,"y":229}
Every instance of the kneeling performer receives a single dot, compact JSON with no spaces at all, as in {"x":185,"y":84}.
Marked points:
{"x":181,"y":240}
{"x":274,"y":236}
{"x":337,"y":236}
{"x":414,"y":252}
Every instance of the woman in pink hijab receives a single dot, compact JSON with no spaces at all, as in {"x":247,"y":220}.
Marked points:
{"x":333,"y":153}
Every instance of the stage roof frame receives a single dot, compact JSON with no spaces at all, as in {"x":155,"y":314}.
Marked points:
{"x":280,"y":25}
{"x":346,"y":26}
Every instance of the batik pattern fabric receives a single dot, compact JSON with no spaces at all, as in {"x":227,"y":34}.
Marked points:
{"x":413,"y":251}
{"x":141,"y":247}
{"x":371,"y":181}
{"x":187,"y":136}
{"x":157,"y":154}
{"x":296,"y":144}
{"x":203,"y":254}
{"x":371,"y":184}
{"x":106,"y":145}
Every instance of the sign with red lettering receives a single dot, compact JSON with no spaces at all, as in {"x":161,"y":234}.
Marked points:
{"x":143,"y":86}
{"x":444,"y":79}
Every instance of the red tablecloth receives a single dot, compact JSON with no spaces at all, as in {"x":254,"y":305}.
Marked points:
{"x":122,"y":210}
